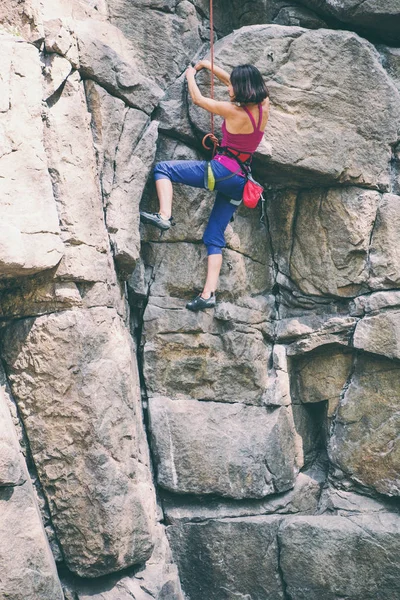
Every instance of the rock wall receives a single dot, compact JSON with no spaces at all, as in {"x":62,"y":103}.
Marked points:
{"x":251,"y":451}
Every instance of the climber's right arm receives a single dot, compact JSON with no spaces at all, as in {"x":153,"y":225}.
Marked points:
{"x":220,"y":73}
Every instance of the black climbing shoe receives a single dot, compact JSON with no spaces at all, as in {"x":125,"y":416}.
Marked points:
{"x":156,"y":220}
{"x":200,"y":303}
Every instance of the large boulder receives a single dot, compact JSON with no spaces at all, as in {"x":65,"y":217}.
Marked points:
{"x":122,"y":209}
{"x":27,"y":566}
{"x":231,"y":450}
{"x":379,"y":333}
{"x":30,"y":240}
{"x":74,"y":377}
{"x":333,"y":557}
{"x":198,"y":356}
{"x":320,"y":376}
{"x":385,"y":243}
{"x":329,"y":122}
{"x":231,"y":558}
{"x":165,"y":34}
{"x":158,"y":579}
{"x":107,"y":57}
{"x":365,"y":443}
{"x":331,"y":237}
{"x":73,"y":171}
{"x":125,"y":145}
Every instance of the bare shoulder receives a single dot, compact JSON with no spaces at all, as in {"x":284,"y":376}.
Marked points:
{"x":265,"y":106}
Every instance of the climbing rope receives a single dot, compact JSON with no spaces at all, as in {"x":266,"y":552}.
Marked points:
{"x":210,"y":141}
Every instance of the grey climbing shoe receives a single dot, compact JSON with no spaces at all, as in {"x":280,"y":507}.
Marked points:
{"x":156,"y":220}
{"x":200,"y":303}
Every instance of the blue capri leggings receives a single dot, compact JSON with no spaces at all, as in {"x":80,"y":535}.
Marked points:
{"x":194,"y":173}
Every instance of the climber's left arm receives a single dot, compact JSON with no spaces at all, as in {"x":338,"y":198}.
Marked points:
{"x":225,"y":109}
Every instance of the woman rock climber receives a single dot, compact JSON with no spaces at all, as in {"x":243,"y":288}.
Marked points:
{"x":245,"y":118}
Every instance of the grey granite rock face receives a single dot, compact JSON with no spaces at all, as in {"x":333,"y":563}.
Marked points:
{"x":341,"y":557}
{"x":302,"y":498}
{"x":379,"y":333}
{"x":183,"y":351}
{"x":158,"y":579}
{"x":74,"y":378}
{"x":155,"y":30}
{"x":331,"y":241}
{"x":107,"y":57}
{"x":232,"y":450}
{"x":365,"y":440}
{"x":375,"y":18}
{"x":310,"y":139}
{"x":27,"y":565}
{"x":73,"y":170}
{"x":272,"y":418}
{"x":231,"y":558}
{"x":30,"y":240}
{"x":321,"y":376}
{"x":384,"y":252}
{"x":23,"y":18}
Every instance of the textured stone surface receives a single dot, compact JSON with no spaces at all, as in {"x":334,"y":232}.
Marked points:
{"x":331,"y":240}
{"x":30,"y":235}
{"x":234,"y":558}
{"x":195,"y":356}
{"x":281,"y":12}
{"x":157,"y":580}
{"x":156,"y":29}
{"x":27,"y":566}
{"x":107,"y":57}
{"x":303,"y":498}
{"x":321,"y":376}
{"x":385,"y":242}
{"x":352,"y":557}
{"x":381,"y":19}
{"x":11,"y":465}
{"x":74,"y":176}
{"x":59,"y":38}
{"x":74,"y":9}
{"x":305,"y":333}
{"x":74,"y":378}
{"x":23,"y":18}
{"x":341,"y":502}
{"x":379,"y":333}
{"x":122,"y":208}
{"x":240,"y":275}
{"x":371,"y":303}
{"x":56,"y":70}
{"x":125,"y":152}
{"x":231,"y":450}
{"x":365,"y":442}
{"x":318,"y":130}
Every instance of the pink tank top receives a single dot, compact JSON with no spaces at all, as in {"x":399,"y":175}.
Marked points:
{"x":243,"y":142}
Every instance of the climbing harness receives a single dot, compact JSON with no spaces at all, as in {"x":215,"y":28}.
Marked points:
{"x":253,"y":191}
{"x":210,"y":141}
